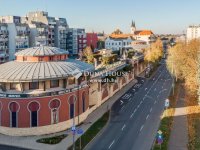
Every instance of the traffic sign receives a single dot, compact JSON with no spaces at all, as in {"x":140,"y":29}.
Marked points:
{"x":167,"y":103}
{"x":73,"y":128}
{"x":80,"y":131}
{"x":159,"y":132}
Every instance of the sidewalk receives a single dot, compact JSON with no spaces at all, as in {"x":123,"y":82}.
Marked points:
{"x":179,"y":133}
{"x":30,"y":142}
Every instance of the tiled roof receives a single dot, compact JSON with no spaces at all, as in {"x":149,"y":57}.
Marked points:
{"x":144,"y":32}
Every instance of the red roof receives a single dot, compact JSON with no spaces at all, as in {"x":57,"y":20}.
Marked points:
{"x":144,"y":32}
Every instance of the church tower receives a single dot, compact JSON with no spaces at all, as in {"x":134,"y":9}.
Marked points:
{"x":133,"y":28}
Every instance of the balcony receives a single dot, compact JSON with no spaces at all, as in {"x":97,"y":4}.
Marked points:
{"x":3,"y":32}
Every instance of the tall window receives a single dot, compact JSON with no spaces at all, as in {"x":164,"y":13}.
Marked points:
{"x":13,"y":86}
{"x":71,"y":80}
{"x":54,"y":83}
{"x":14,"y":108}
{"x":34,"y":108}
{"x":83,"y":101}
{"x":72,"y":101}
{"x":33,"y":85}
{"x":54,"y":106}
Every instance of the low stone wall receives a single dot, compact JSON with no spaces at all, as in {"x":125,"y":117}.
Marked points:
{"x":45,"y":129}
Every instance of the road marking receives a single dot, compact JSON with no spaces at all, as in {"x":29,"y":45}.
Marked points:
{"x":138,"y":106}
{"x":141,"y":102}
{"x":124,"y":126}
{"x":132,"y":115}
{"x":155,"y":89}
{"x":121,"y":102}
{"x":145,"y":89}
{"x":122,"y":108}
{"x":141,"y":128}
{"x":151,"y":110}
{"x":147,"y":117}
{"x":129,"y":99}
{"x":135,"y":111}
{"x":155,"y":102}
{"x":111,"y":144}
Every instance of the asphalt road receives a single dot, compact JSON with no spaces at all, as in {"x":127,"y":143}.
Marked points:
{"x":4,"y":147}
{"x":135,"y":117}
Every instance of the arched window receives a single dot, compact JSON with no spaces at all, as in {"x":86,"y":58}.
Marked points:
{"x":54,"y":106}
{"x":34,"y":108}
{"x":83,"y":101}
{"x":72,"y":102}
{"x":14,"y":109}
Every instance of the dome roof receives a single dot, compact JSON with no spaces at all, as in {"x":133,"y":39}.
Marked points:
{"x":15,"y":71}
{"x":41,"y":51}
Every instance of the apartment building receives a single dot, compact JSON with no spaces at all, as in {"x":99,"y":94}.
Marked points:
{"x":18,"y":37}
{"x":193,"y":32}
{"x":4,"y":53}
{"x":76,"y":40}
{"x":46,"y":30}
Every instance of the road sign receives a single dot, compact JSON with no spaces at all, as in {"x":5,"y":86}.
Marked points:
{"x":167,"y":103}
{"x":73,"y":128}
{"x":80,"y":131}
{"x":159,"y":137}
{"x":159,"y":132}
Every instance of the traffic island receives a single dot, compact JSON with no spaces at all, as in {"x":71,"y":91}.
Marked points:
{"x":83,"y":140}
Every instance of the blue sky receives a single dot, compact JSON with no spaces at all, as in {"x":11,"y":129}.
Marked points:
{"x":161,"y":16}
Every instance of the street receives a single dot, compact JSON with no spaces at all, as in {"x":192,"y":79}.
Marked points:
{"x":135,"y":117}
{"x":4,"y":147}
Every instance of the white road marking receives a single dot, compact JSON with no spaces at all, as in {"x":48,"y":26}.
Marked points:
{"x":121,"y":102}
{"x":147,"y":117}
{"x":141,"y":102}
{"x":135,"y":111}
{"x":129,"y":99}
{"x":141,"y":127}
{"x":132,"y":115}
{"x":145,"y":89}
{"x":124,"y":126}
{"x":122,"y":108}
{"x":151,"y":110}
{"x":155,"y":89}
{"x":155,"y":102}
{"x":111,"y":144}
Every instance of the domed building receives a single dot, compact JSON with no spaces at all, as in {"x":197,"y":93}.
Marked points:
{"x":40,"y":94}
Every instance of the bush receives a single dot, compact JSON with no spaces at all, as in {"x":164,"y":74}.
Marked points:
{"x":52,"y":140}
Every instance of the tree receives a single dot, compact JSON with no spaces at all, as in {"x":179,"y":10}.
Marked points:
{"x":154,"y":53}
{"x":87,"y":52}
{"x":183,"y":63}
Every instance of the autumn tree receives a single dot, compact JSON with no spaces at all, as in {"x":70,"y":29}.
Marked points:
{"x":87,"y":52}
{"x":154,"y":53}
{"x":182,"y":62}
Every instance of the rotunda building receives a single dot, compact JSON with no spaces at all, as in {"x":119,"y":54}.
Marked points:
{"x":42,"y":91}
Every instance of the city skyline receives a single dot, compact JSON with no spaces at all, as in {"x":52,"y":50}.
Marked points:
{"x":107,"y":16}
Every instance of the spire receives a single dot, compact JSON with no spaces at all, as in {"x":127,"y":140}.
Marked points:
{"x":133,"y":24}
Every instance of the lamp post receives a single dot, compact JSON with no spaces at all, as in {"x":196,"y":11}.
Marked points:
{"x":77,"y":74}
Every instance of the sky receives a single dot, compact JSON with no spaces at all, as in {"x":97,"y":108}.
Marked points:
{"x":160,"y":16}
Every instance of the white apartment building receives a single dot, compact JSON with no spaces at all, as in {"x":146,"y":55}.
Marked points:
{"x":117,"y":43}
{"x":4,"y":53}
{"x":193,"y":32}
{"x":18,"y":38}
{"x":53,"y":29}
